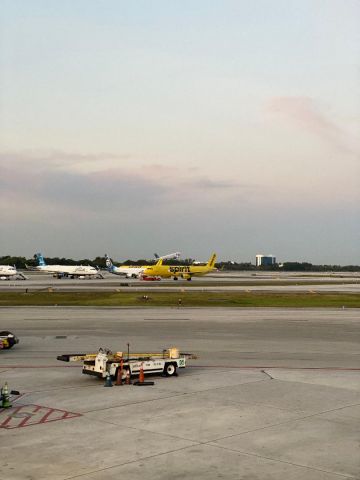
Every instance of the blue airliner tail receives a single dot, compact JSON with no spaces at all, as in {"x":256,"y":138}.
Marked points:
{"x":40,"y":259}
{"x":109,"y":264}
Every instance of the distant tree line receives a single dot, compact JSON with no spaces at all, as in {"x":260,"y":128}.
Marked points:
{"x":289,"y":267}
{"x":21,"y":262}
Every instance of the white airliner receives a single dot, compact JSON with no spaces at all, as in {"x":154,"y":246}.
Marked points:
{"x":8,"y":272}
{"x":134,"y":271}
{"x":60,"y":271}
{"x":170,"y":256}
{"x":125,"y":270}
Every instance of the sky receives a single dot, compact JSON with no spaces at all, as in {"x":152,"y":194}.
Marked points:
{"x":130,"y":128}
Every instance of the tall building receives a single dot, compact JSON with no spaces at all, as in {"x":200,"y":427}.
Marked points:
{"x":265,"y":260}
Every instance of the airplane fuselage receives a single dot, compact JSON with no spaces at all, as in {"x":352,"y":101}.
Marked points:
{"x":180,"y":271}
{"x":7,"y":271}
{"x":68,"y":270}
{"x":127,"y":271}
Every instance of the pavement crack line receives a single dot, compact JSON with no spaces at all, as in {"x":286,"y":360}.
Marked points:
{"x":227,"y":436}
{"x":284,"y":422}
{"x":134,"y":403}
{"x":177,"y":437}
{"x":209,"y":444}
{"x":141,"y":459}
{"x":62,"y":388}
{"x":242,"y":452}
{"x":177,"y":394}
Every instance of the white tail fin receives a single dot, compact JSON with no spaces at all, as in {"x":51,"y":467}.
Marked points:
{"x":109,"y":264}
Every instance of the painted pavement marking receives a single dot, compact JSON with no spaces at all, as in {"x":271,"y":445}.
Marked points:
{"x":27,"y":415}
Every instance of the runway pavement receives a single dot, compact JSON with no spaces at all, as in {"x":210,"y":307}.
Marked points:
{"x":247,"y":281}
{"x":275,"y":393}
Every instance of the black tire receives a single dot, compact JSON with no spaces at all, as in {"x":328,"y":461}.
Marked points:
{"x":10,"y":340}
{"x":170,"y":369}
{"x":175,"y":278}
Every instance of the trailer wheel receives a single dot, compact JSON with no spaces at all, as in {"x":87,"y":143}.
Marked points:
{"x":170,"y":369}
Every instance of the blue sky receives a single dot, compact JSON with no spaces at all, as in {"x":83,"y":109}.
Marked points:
{"x":134,"y":127}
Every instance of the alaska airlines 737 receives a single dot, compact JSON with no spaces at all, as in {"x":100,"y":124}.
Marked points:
{"x":127,"y":271}
{"x":130,"y":271}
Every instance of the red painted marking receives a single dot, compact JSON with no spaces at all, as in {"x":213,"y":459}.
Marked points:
{"x":24,"y":422}
{"x":26,"y":419}
{"x":45,"y":417}
{"x":66,"y":415}
{"x":3,"y":425}
{"x":27,"y":415}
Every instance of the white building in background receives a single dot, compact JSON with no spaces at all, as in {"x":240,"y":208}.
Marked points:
{"x":265,"y":260}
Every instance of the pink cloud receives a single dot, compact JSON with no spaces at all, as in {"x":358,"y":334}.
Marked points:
{"x":304,"y":112}
{"x":120,"y":189}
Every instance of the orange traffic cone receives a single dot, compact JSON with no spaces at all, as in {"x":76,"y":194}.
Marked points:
{"x":141,"y":374}
{"x":120,"y":373}
{"x":127,"y":379}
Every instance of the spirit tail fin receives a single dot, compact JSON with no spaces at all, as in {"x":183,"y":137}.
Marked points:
{"x":212,"y":260}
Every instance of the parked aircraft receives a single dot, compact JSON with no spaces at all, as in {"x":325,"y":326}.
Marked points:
{"x":180,"y":271}
{"x":175,"y":255}
{"x":61,"y":271}
{"x":8,"y":272}
{"x":128,"y":271}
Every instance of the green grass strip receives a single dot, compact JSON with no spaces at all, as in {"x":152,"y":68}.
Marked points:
{"x":188,"y":299}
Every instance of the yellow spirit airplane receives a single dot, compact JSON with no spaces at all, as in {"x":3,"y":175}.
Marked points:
{"x":180,"y":271}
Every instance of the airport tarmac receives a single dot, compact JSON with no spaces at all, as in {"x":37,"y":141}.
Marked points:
{"x":285,"y":282}
{"x":275,"y":394}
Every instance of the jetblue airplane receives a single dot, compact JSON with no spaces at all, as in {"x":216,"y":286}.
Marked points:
{"x":61,"y":271}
